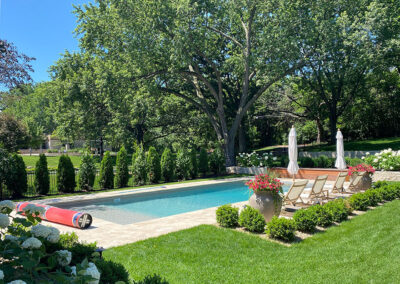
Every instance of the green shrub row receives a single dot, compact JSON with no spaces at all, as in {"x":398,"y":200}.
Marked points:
{"x":306,"y":220}
{"x":325,"y":162}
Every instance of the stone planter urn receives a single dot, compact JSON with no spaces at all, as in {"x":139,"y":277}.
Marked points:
{"x":365,"y":182}
{"x":265,"y":202}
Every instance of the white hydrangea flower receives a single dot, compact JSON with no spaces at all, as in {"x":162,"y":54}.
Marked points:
{"x":376,"y":160}
{"x":1,"y":274}
{"x":73,"y":272}
{"x":7,"y":204}
{"x":274,"y":158}
{"x":362,"y":158}
{"x":384,"y":160}
{"x":11,"y":238}
{"x":367,"y":153}
{"x":391,"y":168}
{"x":31,"y":243}
{"x":17,"y":282}
{"x":376,"y":154}
{"x":41,"y":231}
{"x":64,"y":257}
{"x":4,"y":220}
{"x":93,"y":272}
{"x":266,"y":157}
{"x":32,"y":208}
{"x":54,"y":235}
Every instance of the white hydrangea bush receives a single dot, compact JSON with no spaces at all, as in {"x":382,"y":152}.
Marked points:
{"x":256,"y":160}
{"x":26,"y":255}
{"x":386,"y":160}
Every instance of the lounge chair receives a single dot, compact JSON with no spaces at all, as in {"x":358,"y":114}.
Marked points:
{"x":354,"y":183}
{"x":317,"y":190}
{"x":338,"y":185}
{"x":295,"y":192}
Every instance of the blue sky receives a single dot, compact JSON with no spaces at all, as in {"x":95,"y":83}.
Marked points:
{"x":40,"y":28}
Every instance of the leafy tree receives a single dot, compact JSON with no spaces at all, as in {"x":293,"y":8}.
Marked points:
{"x":17,"y":180}
{"x":194,"y":169}
{"x":106,"y":176}
{"x":203,"y":162}
{"x":14,"y":66}
{"x":217,"y":165}
{"x":218,"y":56}
{"x":87,"y":172}
{"x":13,"y":134}
{"x":65,"y":175}
{"x":183,"y":164}
{"x":42,"y":178}
{"x":153,"y":165}
{"x":122,"y":171}
{"x":139,"y":166}
{"x":167,"y":165}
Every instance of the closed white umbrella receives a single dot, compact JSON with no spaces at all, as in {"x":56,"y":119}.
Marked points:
{"x":293,"y":167}
{"x":340,"y":162}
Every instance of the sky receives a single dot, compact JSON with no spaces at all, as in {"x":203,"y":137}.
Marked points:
{"x":40,"y":28}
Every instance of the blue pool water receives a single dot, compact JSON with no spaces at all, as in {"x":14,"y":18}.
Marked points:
{"x":167,"y":203}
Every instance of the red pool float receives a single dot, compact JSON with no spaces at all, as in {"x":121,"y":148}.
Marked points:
{"x":61,"y":216}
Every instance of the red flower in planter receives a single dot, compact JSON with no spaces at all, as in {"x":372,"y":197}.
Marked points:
{"x":361,"y":168}
{"x":264,"y":182}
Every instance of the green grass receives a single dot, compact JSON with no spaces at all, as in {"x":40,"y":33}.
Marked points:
{"x":365,"y":249}
{"x":366,"y":145}
{"x":52,"y":161}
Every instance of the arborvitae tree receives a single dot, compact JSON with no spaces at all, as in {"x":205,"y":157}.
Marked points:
{"x":203,"y":162}
{"x":65,"y":175}
{"x":42,"y":178}
{"x":122,"y":171}
{"x":217,"y":161}
{"x":167,"y":165}
{"x":87,"y":172}
{"x":16,"y":179}
{"x":153,"y":165}
{"x":182,"y":164}
{"x":194,"y":169}
{"x":106,"y":177}
{"x":139,"y":167}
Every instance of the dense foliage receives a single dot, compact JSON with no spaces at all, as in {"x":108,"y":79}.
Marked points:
{"x":252,"y":220}
{"x":217,"y":161}
{"x":153,"y":165}
{"x":16,"y":180}
{"x":203,"y":162}
{"x":183,"y":164}
{"x":106,"y":175}
{"x":65,"y":175}
{"x":139,"y":166}
{"x":194,"y":167}
{"x":122,"y":170}
{"x":167,"y":165}
{"x":42,"y":178}
{"x":281,"y":229}
{"x":87,"y":172}
{"x":227,"y":216}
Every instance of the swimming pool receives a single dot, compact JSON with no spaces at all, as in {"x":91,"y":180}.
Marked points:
{"x":146,"y":206}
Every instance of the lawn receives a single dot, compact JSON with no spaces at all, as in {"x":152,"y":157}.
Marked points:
{"x":366,"y":145}
{"x":363,"y":250}
{"x":52,"y":161}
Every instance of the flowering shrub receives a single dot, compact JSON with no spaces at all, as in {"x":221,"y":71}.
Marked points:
{"x":264,"y":182}
{"x":255,"y":160}
{"x":25,"y":253}
{"x":387,"y":160}
{"x":361,"y":168}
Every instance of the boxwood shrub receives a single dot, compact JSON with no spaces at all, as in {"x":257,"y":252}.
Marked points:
{"x":281,"y":229}
{"x":252,"y":220}
{"x":305,"y":220}
{"x":388,"y":192}
{"x":111,"y":272}
{"x":374,"y":197}
{"x":322,"y":216}
{"x":359,"y":201}
{"x":379,"y":183}
{"x":227,"y":216}
{"x":339,"y":209}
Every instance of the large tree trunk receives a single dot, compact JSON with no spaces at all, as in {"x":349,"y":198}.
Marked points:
{"x":320,"y":131}
{"x":242,"y":139}
{"x":229,"y":149}
{"x":332,"y":127}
